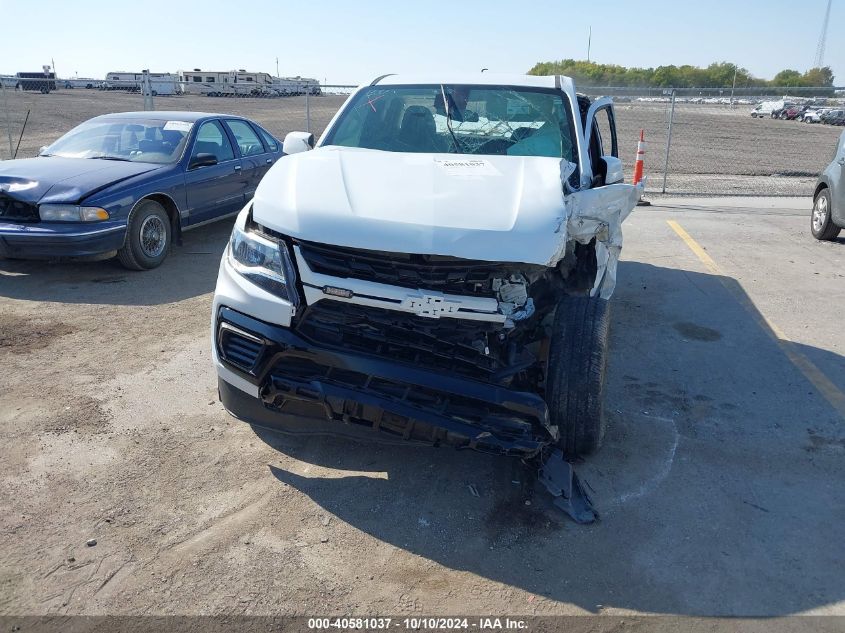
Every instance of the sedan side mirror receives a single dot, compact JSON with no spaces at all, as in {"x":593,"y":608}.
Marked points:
{"x":296,"y":142}
{"x":202,"y":160}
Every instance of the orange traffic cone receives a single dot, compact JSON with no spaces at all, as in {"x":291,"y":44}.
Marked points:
{"x":638,"y":167}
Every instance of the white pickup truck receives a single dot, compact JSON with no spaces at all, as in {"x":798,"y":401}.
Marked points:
{"x":436,"y":268}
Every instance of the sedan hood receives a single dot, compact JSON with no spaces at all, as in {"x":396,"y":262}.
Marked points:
{"x":495,"y":208}
{"x":54,"y":179}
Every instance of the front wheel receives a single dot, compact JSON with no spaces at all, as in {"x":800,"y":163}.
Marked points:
{"x":577,"y":365}
{"x":147,"y":237}
{"x":821,"y":224}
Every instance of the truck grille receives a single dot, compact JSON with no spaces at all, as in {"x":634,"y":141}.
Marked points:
{"x":435,"y":272}
{"x":16,"y":211}
{"x":445,"y":344}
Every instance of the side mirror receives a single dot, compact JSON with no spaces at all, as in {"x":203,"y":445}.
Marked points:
{"x":615,"y":174}
{"x":42,"y":150}
{"x":296,"y":142}
{"x":202,"y":160}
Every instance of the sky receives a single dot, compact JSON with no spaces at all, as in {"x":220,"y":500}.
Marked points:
{"x":342,"y":42}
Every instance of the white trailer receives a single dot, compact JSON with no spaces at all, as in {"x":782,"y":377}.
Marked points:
{"x":225,"y":83}
{"x":296,"y":85}
{"x":160,"y":83}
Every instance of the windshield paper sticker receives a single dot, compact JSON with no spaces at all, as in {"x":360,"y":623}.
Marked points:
{"x":466,"y":166}
{"x":179,"y":126}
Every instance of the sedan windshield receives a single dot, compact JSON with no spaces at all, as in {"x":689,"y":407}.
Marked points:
{"x":135,"y":140}
{"x":460,"y":119}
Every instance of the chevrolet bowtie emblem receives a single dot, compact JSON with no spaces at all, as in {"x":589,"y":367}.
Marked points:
{"x":428,"y":305}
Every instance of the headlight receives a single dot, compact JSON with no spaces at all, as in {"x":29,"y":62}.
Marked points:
{"x":264,"y":261}
{"x":71,"y":213}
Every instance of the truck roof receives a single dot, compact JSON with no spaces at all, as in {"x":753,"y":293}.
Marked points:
{"x":495,"y":79}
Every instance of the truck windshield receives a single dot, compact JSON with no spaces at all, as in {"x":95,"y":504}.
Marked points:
{"x":135,"y":140}
{"x":497,"y":120}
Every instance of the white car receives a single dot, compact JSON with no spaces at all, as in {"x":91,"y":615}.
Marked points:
{"x":814,"y":116}
{"x":437,"y":268}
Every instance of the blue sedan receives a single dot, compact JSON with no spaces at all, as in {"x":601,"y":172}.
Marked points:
{"x":129,"y":184}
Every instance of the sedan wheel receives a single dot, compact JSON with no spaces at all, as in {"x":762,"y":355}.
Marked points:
{"x":147,"y":237}
{"x":153,"y":236}
{"x":821,"y":224}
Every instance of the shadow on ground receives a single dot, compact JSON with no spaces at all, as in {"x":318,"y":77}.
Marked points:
{"x":719,"y":482}
{"x":189,"y":271}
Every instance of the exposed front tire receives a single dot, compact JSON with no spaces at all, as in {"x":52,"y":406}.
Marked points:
{"x":147,"y":237}
{"x":577,"y":366}
{"x":821,"y":224}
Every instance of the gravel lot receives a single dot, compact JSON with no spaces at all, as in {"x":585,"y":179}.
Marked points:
{"x":715,"y":150}
{"x":720,"y":485}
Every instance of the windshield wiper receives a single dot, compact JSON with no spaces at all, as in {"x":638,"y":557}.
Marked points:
{"x":458,"y":148}
{"x":125,"y":160}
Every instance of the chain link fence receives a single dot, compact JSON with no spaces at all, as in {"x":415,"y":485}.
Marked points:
{"x":716,"y":147}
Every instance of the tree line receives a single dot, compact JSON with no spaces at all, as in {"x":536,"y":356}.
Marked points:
{"x":716,"y":75}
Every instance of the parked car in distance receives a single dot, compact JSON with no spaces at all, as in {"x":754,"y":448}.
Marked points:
{"x":828,"y":217}
{"x":129,"y":183}
{"x":814,"y":116}
{"x":834,"y":117}
{"x":777,"y":112}
{"x":793,"y":112}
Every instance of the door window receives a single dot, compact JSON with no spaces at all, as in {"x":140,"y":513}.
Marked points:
{"x":211,"y":139}
{"x":247,"y":139}
{"x":606,"y":128}
{"x":269,"y":141}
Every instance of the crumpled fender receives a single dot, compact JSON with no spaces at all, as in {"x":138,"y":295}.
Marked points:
{"x":598,"y":213}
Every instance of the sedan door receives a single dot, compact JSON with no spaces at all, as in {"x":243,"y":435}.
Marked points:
{"x":214,"y":181}
{"x":255,"y":157}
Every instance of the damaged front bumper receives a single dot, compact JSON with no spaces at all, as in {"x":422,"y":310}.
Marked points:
{"x":293,"y":375}
{"x":273,"y":377}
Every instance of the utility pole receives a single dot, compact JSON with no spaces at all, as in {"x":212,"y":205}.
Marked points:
{"x":277,"y":67}
{"x":589,"y":41}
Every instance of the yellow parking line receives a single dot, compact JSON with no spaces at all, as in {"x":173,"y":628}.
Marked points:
{"x":811,"y":372}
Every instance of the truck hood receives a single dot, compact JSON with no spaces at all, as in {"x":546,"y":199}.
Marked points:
{"x":495,"y":208}
{"x":54,"y":179}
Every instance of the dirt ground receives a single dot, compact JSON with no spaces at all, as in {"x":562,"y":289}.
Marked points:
{"x":714,"y":150}
{"x":720,"y":484}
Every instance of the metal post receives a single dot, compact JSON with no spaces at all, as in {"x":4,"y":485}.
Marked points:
{"x":307,"y":111}
{"x":147,"y":89}
{"x":733,"y":86}
{"x":669,"y":140}
{"x":8,"y":120}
